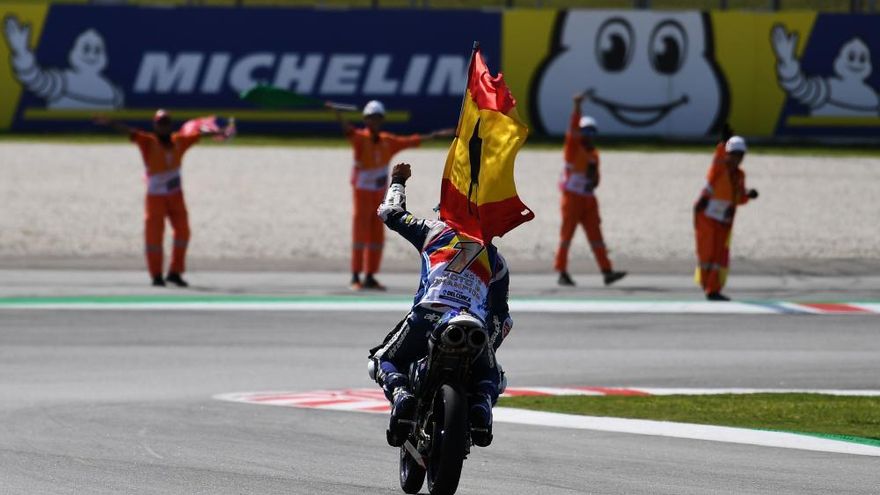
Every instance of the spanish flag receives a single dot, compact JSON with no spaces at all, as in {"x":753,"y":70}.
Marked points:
{"x":478,"y":195}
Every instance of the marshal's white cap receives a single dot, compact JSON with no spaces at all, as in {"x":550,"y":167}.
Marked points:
{"x":735,"y":144}
{"x":587,"y":121}
{"x":374,"y":107}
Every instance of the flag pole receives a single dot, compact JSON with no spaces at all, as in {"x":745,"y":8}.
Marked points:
{"x":467,"y":85}
{"x":455,"y":140}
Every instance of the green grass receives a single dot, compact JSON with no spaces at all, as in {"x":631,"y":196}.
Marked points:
{"x":534,"y":142}
{"x":813,"y":414}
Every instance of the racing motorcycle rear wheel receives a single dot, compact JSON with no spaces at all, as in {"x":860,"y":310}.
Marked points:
{"x":448,"y":442}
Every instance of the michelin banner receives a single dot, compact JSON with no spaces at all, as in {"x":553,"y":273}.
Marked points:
{"x":63,"y":63}
{"x":684,"y":74}
{"x":646,"y":73}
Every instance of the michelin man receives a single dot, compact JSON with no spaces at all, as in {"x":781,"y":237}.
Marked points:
{"x":82,"y":86}
{"x":844,"y":94}
{"x":643,"y":73}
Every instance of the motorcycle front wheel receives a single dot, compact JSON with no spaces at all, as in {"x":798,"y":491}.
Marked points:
{"x":449,"y":441}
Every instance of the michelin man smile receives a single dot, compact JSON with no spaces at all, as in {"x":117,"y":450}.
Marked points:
{"x":644,"y":73}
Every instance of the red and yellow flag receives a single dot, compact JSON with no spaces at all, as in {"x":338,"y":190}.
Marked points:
{"x":478,"y":195}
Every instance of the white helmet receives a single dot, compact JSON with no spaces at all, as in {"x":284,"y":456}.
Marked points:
{"x":374,"y":107}
{"x":735,"y":144}
{"x":587,"y":121}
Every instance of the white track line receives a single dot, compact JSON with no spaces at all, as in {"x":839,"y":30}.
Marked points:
{"x":872,"y":307}
{"x":654,"y":307}
{"x":716,"y":391}
{"x":372,"y":401}
{"x":683,"y":430}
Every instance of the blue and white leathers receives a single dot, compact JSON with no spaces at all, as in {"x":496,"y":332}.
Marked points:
{"x":454,"y":275}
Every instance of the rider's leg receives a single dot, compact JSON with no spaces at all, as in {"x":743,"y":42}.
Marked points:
{"x":403,"y":404}
{"x":405,"y":346}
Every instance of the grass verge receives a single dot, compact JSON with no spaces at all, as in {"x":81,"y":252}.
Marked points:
{"x":814,"y":414}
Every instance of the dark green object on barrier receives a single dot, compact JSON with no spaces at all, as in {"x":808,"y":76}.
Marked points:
{"x":267,"y":96}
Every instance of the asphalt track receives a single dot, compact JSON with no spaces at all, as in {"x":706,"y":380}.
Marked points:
{"x":120,"y":401}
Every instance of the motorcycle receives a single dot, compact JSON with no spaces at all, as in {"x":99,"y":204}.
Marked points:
{"x":440,"y":438}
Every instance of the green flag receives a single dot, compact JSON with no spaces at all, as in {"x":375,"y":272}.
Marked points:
{"x":271,"y":97}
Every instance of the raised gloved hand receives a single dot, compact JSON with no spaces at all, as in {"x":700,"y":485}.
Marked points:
{"x":752,"y":193}
{"x":400,"y":173}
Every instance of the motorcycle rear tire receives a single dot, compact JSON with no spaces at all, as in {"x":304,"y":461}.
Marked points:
{"x":449,"y":442}
{"x":412,"y":476}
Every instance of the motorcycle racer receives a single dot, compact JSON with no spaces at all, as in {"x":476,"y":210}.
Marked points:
{"x":462,"y":282}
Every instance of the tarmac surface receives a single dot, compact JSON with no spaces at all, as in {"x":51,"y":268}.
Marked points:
{"x":121,"y":401}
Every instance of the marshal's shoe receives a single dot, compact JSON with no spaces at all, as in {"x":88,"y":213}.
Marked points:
{"x":565,"y":280}
{"x":370,"y":283}
{"x":176,"y":279}
{"x":611,"y":276}
{"x":717,"y":296}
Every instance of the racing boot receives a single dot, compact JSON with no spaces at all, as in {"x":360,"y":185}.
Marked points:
{"x":158,"y":281}
{"x":403,"y":405}
{"x":403,"y":414}
{"x":481,"y":419}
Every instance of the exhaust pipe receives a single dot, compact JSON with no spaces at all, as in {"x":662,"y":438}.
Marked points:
{"x":453,"y":337}
{"x":477,"y":338}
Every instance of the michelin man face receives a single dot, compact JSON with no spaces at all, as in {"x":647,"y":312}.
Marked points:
{"x":854,"y":61}
{"x":88,"y":53}
{"x":645,"y":73}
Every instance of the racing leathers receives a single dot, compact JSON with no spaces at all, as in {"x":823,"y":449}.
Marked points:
{"x":457,"y":273}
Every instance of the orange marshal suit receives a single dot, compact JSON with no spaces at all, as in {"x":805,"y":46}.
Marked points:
{"x":369,"y":180}
{"x":164,"y":198}
{"x":579,"y":205}
{"x":713,"y":220}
